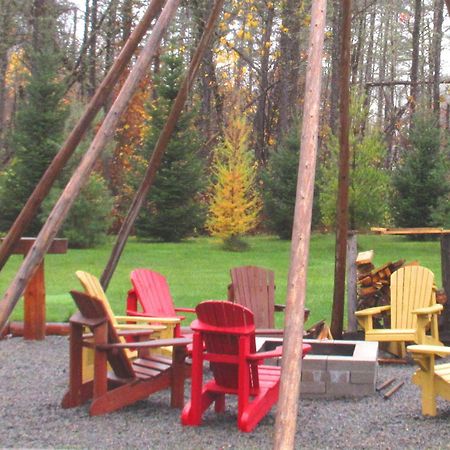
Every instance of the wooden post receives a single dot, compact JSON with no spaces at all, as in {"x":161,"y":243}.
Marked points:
{"x":34,"y":326}
{"x":286,"y":418}
{"x":337,"y":318}
{"x":160,"y":146}
{"x":81,"y":174}
{"x":447,"y":2}
{"x":43,"y":187}
{"x":34,"y":306}
{"x":352,"y":252}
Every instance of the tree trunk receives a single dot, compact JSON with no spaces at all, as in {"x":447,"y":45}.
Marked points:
{"x":335,"y":67}
{"x":436,"y":53}
{"x":260,"y":122}
{"x":415,"y":53}
{"x":289,"y":66}
{"x":93,"y":50}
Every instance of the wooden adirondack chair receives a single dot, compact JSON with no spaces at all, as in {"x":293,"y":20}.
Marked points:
{"x":254,"y":288}
{"x":224,"y":334}
{"x":163,"y":326}
{"x":129,"y":381}
{"x":413,"y":311}
{"x":150,"y":297}
{"x":434,"y":380}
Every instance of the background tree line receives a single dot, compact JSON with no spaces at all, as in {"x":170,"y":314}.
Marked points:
{"x":232,"y":163}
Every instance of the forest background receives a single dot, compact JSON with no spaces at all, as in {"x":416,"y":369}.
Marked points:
{"x":231,"y":166}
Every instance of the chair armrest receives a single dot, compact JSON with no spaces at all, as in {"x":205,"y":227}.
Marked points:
{"x":136,"y":333}
{"x":188,"y":310}
{"x":433,"y":309}
{"x":429,"y":349}
{"x":146,"y":319}
{"x":136,"y":326}
{"x":276,"y":353}
{"x":269,"y":331}
{"x":177,"y":342}
{"x":372,"y":311}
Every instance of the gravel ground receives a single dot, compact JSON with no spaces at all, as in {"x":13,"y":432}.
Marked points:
{"x":33,"y":379}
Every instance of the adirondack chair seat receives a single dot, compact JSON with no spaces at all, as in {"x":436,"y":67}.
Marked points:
{"x":433,"y":379}
{"x":224,"y":335}
{"x":118,"y":381}
{"x":413,"y":311}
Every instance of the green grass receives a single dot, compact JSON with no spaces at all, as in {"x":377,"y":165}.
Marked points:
{"x":199,"y":269}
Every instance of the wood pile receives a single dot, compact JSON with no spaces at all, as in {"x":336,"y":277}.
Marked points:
{"x":373,"y":283}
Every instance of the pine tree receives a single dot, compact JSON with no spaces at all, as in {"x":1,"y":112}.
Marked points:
{"x":235,"y":204}
{"x":39,"y":128}
{"x":173,"y":210}
{"x":420,"y":182}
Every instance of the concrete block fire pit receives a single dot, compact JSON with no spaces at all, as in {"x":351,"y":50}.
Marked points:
{"x":335,"y":369}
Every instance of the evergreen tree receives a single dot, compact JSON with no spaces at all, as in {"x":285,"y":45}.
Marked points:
{"x":369,"y":181}
{"x":420,"y":182}
{"x":39,"y":126}
{"x":173,"y":210}
{"x":280,"y":186}
{"x":235,"y":204}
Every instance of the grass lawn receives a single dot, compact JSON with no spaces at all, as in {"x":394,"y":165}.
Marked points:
{"x":199,"y":269}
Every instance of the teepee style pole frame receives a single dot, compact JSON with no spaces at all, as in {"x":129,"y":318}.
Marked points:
{"x":342,"y":213}
{"x":31,"y":207}
{"x":81,"y":174}
{"x":286,"y":417}
{"x":161,"y":145}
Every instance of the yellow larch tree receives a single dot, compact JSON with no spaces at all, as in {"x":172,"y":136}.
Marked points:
{"x":235,"y":202}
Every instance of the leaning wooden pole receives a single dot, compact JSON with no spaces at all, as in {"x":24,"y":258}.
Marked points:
{"x":286,"y":418}
{"x":31,"y":207}
{"x":161,"y":145}
{"x":81,"y":174}
{"x":342,"y":216}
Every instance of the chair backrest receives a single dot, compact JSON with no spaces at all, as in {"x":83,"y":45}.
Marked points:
{"x":254,"y":287}
{"x":227,"y":333}
{"x":153,"y":293}
{"x":91,"y":285}
{"x":411,"y":288}
{"x":92,"y":308}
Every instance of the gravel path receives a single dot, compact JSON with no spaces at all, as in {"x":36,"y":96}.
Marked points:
{"x":33,"y":378}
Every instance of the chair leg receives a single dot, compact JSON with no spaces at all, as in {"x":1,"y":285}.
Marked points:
{"x":177,"y":377}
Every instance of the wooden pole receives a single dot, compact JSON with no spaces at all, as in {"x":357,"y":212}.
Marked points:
{"x":337,"y":318}
{"x":352,"y":253}
{"x":81,"y":174}
{"x":445,"y":271}
{"x":31,"y":207}
{"x":286,"y":418}
{"x":447,"y":2}
{"x":160,"y":146}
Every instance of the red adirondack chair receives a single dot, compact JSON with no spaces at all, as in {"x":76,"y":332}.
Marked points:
{"x":150,"y":297}
{"x":224,"y":334}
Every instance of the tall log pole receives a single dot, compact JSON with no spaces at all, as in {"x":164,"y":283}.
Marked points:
{"x":337,"y":318}
{"x":81,"y":174}
{"x":295,"y":302}
{"x":447,"y":2}
{"x":31,"y":207}
{"x":161,"y":145}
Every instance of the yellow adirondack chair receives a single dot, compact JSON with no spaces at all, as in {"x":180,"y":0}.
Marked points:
{"x":434,"y":380}
{"x":413,"y":311}
{"x":163,"y":327}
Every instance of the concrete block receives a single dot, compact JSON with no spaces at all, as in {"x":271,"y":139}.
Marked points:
{"x":337,"y":390}
{"x":362,"y":377}
{"x":339,"y":376}
{"x":312,"y":388}
{"x":314,"y":376}
{"x":314,"y":362}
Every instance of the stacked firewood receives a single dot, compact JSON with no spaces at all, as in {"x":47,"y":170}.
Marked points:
{"x":374,"y":283}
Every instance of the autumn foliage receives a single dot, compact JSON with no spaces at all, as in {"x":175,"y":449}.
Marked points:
{"x":235,"y":203}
